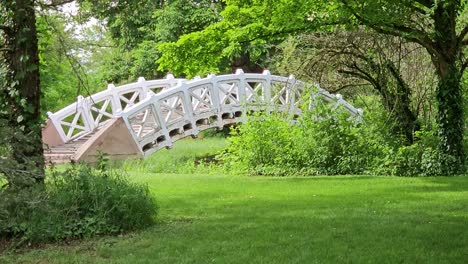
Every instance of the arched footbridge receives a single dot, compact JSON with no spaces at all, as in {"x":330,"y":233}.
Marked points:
{"x":137,"y":119}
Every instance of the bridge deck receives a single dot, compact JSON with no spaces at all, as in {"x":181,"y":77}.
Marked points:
{"x":65,"y":152}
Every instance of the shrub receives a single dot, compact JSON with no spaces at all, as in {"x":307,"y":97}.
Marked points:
{"x":323,"y":141}
{"x":422,"y":158}
{"x":328,"y":141}
{"x":78,"y":202}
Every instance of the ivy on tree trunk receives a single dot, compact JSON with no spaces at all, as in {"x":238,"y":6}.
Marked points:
{"x":440,"y":38}
{"x":20,"y":93}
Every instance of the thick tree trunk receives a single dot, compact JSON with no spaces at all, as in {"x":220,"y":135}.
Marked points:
{"x":450,"y":118}
{"x":449,"y":96}
{"x":22,"y":92}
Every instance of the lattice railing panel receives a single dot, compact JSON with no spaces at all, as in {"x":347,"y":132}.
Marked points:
{"x":101,"y":111}
{"x":279,"y":93}
{"x":74,"y":125}
{"x":255,"y":91}
{"x":129,"y":99}
{"x":229,"y":92}
{"x":144,"y":122}
{"x":201,"y":98}
{"x":95,"y":110}
{"x":172,"y":108}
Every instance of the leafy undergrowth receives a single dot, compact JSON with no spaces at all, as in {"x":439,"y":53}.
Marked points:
{"x":78,"y":202}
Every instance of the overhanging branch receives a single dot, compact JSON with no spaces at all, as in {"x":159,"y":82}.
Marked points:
{"x":408,"y":33}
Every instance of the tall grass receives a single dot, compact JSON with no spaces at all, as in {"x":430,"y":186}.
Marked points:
{"x":74,"y":203}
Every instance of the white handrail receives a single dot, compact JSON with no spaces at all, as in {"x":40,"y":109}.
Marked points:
{"x":214,"y":101}
{"x":86,"y":114}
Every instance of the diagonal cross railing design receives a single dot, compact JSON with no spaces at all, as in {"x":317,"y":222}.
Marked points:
{"x":215,"y":101}
{"x":156,"y":113}
{"x":92,"y":112}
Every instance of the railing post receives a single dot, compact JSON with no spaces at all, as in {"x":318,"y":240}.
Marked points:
{"x":290,"y":94}
{"x":267,"y":90}
{"x":171,"y":80}
{"x":339,"y":100}
{"x":145,"y":91}
{"x":88,"y":119}
{"x":115,"y":100}
{"x":189,"y":108}
{"x":241,"y":88}
{"x":215,"y":100}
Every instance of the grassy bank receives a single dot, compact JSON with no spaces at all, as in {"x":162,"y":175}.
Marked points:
{"x":215,"y":218}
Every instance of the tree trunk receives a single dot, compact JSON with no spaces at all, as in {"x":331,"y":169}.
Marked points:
{"x":450,"y":119}
{"x":407,"y":120}
{"x":22,"y":90}
{"x":449,"y":95}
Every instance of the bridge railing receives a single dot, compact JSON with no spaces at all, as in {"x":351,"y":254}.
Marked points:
{"x":91,"y":112}
{"x":215,"y":101}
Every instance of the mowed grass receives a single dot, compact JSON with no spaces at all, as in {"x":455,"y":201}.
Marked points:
{"x":215,"y":218}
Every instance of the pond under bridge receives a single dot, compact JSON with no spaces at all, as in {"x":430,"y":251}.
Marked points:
{"x":137,"y":119}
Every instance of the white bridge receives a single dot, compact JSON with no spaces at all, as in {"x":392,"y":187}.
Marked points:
{"x":137,"y":119}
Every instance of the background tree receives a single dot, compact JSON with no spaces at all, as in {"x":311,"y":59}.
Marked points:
{"x":438,"y":26}
{"x":138,"y":28}
{"x":361,"y":61}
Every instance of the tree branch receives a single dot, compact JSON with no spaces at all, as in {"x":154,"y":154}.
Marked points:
{"x":408,"y":33}
{"x":56,"y":3}
{"x":356,"y":74}
{"x":426,"y":3}
{"x":415,"y":7}
{"x":461,"y":38}
{"x":464,"y":66}
{"x":347,"y":86}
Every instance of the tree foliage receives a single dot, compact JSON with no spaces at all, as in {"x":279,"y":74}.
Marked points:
{"x":438,"y":26}
{"x":138,"y":28}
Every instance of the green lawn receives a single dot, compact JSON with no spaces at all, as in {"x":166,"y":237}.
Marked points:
{"x":215,"y":218}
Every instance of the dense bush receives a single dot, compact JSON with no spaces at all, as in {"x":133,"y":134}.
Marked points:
{"x":328,"y":141}
{"x":75,"y":203}
{"x":323,"y":141}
